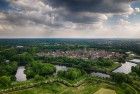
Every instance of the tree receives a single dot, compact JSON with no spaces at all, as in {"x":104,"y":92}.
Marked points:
{"x":8,"y":68}
{"x":136,"y":70}
{"x":72,"y":73}
{"x":23,"y":58}
{"x":104,"y":62}
{"x":39,"y":78}
{"x":84,"y":65}
{"x":5,"y":81}
{"x":7,"y":53}
{"x":1,"y":58}
{"x":120,"y":78}
{"x":38,"y":68}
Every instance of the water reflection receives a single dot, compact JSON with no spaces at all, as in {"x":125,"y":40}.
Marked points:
{"x":135,"y":61}
{"x":125,"y":68}
{"x":59,"y":67}
{"x":100,"y":75}
{"x":20,"y":76}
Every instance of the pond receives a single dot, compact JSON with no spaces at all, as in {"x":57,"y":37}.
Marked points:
{"x":98,"y":74}
{"x":65,"y":68}
{"x":125,"y":68}
{"x":20,"y":76}
{"x":135,"y":61}
{"x":60,"y":67}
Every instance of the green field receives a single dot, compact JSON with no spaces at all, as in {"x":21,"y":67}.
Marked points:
{"x":105,"y":91}
{"x":89,"y":87}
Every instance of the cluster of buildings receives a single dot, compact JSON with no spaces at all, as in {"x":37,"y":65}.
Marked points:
{"x":83,"y":54}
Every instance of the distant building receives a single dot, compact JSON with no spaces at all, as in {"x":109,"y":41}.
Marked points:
{"x":7,"y":61}
{"x":128,"y":52}
{"x":19,"y":46}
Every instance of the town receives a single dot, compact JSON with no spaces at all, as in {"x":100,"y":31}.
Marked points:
{"x":82,"y":54}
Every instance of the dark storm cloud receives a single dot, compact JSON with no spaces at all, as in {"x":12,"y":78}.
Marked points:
{"x":73,"y":11}
{"x":80,"y":18}
{"x":25,"y":20}
{"x":99,"y":6}
{"x":76,"y":10}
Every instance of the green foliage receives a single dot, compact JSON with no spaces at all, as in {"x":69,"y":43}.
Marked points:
{"x":84,"y":65}
{"x":81,"y":63}
{"x":32,"y":50}
{"x":72,"y":73}
{"x":122,"y":59}
{"x":23,"y":58}
{"x":1,"y":58}
{"x":5,"y":81}
{"x":8,"y":68}
{"x":104,"y":62}
{"x":39,"y":78}
{"x":120,"y":78}
{"x":37,"y":68}
{"x":136,"y":70}
{"x":128,"y":91}
{"x":7,"y":53}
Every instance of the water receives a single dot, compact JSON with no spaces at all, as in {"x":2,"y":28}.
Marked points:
{"x":125,"y":68}
{"x":64,"y":68}
{"x":58,"y":68}
{"x":20,"y":76}
{"x":98,"y":74}
{"x":135,"y":61}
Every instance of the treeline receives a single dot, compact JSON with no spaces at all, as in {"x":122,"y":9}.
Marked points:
{"x":13,"y":53}
{"x":122,"y":45}
{"x":100,"y":64}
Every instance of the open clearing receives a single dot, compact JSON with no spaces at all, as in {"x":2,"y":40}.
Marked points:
{"x":105,"y":91}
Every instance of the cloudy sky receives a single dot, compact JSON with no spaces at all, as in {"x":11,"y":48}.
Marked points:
{"x":69,"y":18}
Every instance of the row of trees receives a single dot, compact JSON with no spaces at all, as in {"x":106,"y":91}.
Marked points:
{"x":100,"y":63}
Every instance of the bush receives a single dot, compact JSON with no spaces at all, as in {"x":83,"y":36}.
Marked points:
{"x":5,"y":81}
{"x":37,"y":68}
{"x":136,"y":70}
{"x":72,"y":73}
{"x":120,"y":78}
{"x":39,"y":78}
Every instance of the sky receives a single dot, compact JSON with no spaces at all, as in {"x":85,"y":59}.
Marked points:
{"x":69,"y":18}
